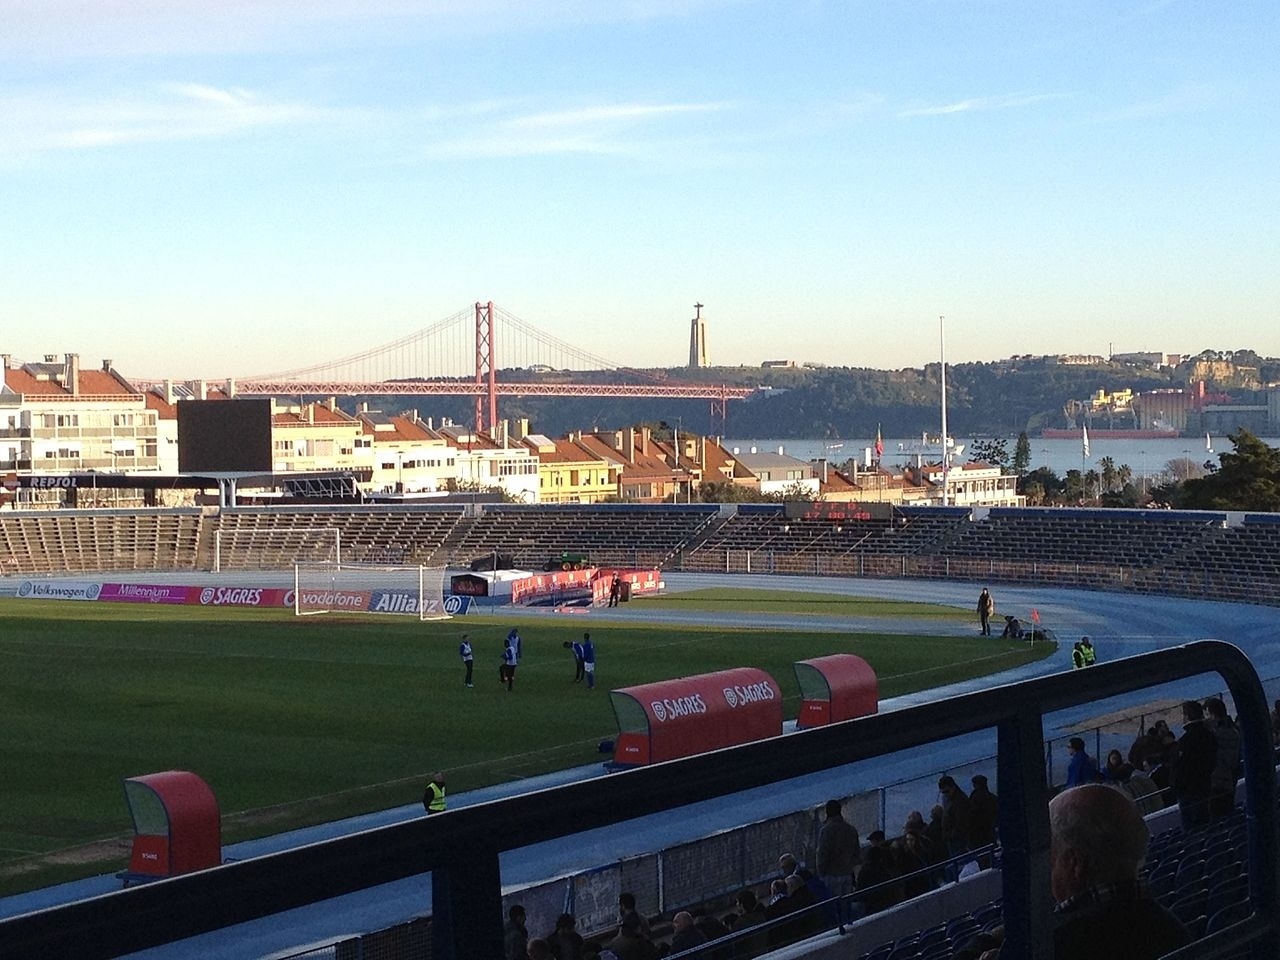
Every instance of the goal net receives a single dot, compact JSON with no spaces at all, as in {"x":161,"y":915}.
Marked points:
{"x":274,"y":547}
{"x":330,"y":587}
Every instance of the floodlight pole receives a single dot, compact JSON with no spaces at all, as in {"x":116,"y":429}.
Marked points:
{"x":946,"y":449}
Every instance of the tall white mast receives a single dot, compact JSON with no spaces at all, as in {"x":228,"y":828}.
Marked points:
{"x":946,"y":448}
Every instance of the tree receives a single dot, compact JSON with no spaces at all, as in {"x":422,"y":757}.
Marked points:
{"x":1092,"y":482}
{"x":1109,"y":474}
{"x":1022,"y":454}
{"x":1041,"y":486}
{"x":1248,"y":479}
{"x":994,"y":452}
{"x":1182,"y":469}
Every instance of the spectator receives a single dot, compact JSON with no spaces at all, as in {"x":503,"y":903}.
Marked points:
{"x":1193,"y":772}
{"x":1098,"y":844}
{"x":627,"y":908}
{"x":750,"y":910}
{"x":1116,"y":769}
{"x":1275,"y":724}
{"x":1080,"y":769}
{"x":875,"y":880}
{"x":789,"y":866}
{"x":839,"y":851}
{"x":710,"y":926}
{"x":800,"y":898}
{"x":630,"y":943}
{"x":539,"y":949}
{"x":778,"y":904}
{"x":911,"y":862}
{"x":515,"y":938}
{"x":686,"y":935}
{"x":984,"y":814}
{"x":935,"y":835}
{"x":1226,"y":767}
{"x":955,"y":816}
{"x":566,"y":942}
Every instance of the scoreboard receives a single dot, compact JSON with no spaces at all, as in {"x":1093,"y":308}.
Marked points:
{"x":837,"y":512}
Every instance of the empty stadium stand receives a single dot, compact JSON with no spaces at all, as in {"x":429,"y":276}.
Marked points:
{"x":75,"y":541}
{"x":1182,"y":553}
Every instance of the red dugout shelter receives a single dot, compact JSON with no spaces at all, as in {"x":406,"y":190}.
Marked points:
{"x":176,"y":823}
{"x":839,"y":687}
{"x":679,"y":718}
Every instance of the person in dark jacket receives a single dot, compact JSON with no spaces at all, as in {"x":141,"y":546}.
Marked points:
{"x":515,"y":938}
{"x":839,"y":852}
{"x":956,"y":815}
{"x":1193,"y":771}
{"x":984,"y":816}
{"x":686,"y":935}
{"x":1099,"y":841}
{"x":566,"y":943}
{"x":1226,"y":769}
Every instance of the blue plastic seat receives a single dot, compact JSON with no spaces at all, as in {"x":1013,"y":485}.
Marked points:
{"x":1228,"y":915}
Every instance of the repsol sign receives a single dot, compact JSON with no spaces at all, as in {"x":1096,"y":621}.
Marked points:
{"x":48,"y":483}
{"x":740,"y":696}
{"x":669,"y":708}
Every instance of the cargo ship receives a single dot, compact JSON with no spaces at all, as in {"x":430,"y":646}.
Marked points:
{"x":1102,"y":433}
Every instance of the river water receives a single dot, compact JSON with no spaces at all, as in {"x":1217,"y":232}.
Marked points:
{"x":1146,"y":458}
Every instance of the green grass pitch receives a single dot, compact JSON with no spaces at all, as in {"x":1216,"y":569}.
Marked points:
{"x":295,"y":721}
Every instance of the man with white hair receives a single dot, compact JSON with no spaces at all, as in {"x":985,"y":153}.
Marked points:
{"x":1098,"y":844}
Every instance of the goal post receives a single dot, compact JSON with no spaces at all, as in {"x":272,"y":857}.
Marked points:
{"x":332,"y":587}
{"x":274,"y":548}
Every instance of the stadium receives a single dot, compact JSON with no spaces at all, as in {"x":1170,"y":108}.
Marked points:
{"x":691,"y":832}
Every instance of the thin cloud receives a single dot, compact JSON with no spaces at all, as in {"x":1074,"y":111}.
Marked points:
{"x":601,"y":130}
{"x":38,"y":124}
{"x":978,"y":104}
{"x":613,"y":113}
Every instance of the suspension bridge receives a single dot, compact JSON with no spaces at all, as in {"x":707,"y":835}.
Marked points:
{"x":458,"y":356}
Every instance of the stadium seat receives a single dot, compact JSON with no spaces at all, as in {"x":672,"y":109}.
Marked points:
{"x":1226,"y":916}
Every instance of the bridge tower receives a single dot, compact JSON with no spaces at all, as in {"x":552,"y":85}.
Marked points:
{"x":486,"y":364}
{"x":698,"y":340}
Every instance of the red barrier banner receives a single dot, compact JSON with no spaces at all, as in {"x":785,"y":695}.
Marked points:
{"x":546,"y":584}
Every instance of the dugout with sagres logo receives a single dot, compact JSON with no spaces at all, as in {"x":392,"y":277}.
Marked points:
{"x":690,"y":715}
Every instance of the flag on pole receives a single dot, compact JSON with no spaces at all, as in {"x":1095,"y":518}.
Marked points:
{"x":879,"y":443}
{"x":1084,"y":439}
{"x":1035,"y":615}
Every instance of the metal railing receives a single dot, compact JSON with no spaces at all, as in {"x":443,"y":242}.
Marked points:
{"x":462,"y":847}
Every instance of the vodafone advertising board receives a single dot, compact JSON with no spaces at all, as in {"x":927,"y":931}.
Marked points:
{"x":692,"y":715}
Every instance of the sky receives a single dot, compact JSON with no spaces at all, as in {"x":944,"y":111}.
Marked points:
{"x":213,"y":189}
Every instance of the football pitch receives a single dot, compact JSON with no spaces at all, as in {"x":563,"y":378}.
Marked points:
{"x":295,"y":721}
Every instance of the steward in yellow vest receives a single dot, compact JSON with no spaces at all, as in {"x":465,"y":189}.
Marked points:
{"x":433,"y":798}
